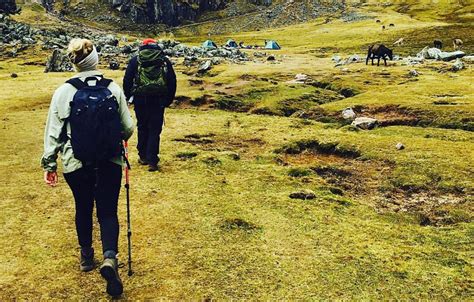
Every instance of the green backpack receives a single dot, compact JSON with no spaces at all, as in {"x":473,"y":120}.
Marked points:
{"x":151,"y":76}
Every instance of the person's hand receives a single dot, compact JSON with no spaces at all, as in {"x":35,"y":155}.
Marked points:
{"x":51,"y":178}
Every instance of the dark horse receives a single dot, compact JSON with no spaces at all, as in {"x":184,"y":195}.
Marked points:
{"x":379,"y":51}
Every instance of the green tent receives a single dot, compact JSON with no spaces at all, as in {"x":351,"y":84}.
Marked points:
{"x":209,"y":44}
{"x":272,"y":45}
{"x":231,"y":43}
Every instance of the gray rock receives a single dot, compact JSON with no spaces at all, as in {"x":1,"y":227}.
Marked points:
{"x":348,"y":114}
{"x":303,"y":194}
{"x":429,"y":53}
{"x":410,"y":61}
{"x":14,"y":75}
{"x":114,"y":65}
{"x":400,"y":146}
{"x":365,"y":123}
{"x":204,"y":67}
{"x":449,"y":56}
{"x":458,"y":65}
{"x":271,"y":58}
{"x":437,"y":54}
{"x":58,"y":62}
{"x":468,"y":59}
{"x":413,"y":73}
{"x":336,"y":59}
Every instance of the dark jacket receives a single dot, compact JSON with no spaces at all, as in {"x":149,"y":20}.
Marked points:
{"x":131,"y":72}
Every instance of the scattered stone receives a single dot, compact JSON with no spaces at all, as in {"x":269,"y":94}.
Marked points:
{"x":413,"y":73}
{"x":271,"y":58}
{"x":400,"y":146}
{"x":14,"y":75}
{"x":458,"y":65}
{"x":58,"y":62}
{"x":351,"y":59}
{"x":348,"y":114}
{"x":204,"y":67}
{"x":303,"y":194}
{"x":413,"y":61}
{"x":336,"y":59}
{"x":365,"y":123}
{"x":114,"y":65}
{"x":300,"y":78}
{"x":234,"y":155}
{"x":468,"y":59}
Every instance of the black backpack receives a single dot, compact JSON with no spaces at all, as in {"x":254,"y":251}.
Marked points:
{"x":95,"y":121}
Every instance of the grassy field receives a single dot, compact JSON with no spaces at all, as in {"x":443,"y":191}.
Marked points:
{"x":218,"y":223}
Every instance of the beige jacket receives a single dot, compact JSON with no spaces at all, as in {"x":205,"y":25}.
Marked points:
{"x":59,"y":111}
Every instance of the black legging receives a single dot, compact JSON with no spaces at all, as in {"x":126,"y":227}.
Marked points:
{"x":101,"y":184}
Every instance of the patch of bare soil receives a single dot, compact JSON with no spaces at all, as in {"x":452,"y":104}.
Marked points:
{"x":223,"y":143}
{"x":390,"y":115}
{"x":366,"y":180}
{"x":356,"y":178}
{"x":431,"y":208}
{"x":204,"y":101}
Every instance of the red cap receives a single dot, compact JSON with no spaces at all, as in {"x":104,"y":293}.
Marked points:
{"x":148,"y":41}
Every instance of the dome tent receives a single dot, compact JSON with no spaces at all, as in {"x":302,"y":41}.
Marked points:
{"x":209,"y":44}
{"x":231,"y":43}
{"x":272,"y":45}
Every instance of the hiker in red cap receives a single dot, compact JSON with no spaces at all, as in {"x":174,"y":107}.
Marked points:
{"x":150,"y":82}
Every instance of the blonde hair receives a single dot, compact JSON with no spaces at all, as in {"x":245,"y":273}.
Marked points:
{"x":78,"y":49}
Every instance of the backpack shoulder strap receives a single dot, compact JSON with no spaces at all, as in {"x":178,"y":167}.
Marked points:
{"x":76,"y":83}
{"x":104,"y":82}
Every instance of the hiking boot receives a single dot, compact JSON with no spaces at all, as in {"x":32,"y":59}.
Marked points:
{"x":153,"y":167}
{"x":142,"y":161}
{"x":87,"y":261}
{"x":109,"y":271}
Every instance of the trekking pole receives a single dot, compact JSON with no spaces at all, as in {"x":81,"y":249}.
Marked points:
{"x":127,"y":188}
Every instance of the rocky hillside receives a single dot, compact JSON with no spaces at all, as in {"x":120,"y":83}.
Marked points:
{"x":169,"y":12}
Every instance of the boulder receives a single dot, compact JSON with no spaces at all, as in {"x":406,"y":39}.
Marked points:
{"x":348,"y":114}
{"x":365,"y":123}
{"x":400,"y":146}
{"x":58,"y":62}
{"x":468,"y":59}
{"x":413,"y":73}
{"x":301,"y":78}
{"x":437,"y":54}
{"x":204,"y":67}
{"x":449,"y":56}
{"x":336,"y":59}
{"x":303,"y":194}
{"x":458,"y":65}
{"x":429,"y":53}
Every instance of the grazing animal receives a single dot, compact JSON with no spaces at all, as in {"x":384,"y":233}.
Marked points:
{"x":392,"y":25}
{"x":379,"y":51}
{"x":399,"y":42}
{"x":378,"y":21}
{"x":438,"y":44}
{"x":457,"y":44}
